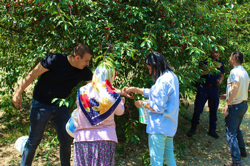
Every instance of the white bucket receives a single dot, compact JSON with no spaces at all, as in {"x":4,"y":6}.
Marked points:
{"x":72,"y":123}
{"x":143,"y":115}
{"x":20,"y":143}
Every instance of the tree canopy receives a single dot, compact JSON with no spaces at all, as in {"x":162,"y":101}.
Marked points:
{"x":124,"y":31}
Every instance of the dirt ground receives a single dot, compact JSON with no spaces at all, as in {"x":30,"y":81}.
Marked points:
{"x":202,"y":150}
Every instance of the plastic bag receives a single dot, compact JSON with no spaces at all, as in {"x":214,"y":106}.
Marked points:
{"x":20,"y":143}
{"x":72,"y":123}
{"x":143,"y":114}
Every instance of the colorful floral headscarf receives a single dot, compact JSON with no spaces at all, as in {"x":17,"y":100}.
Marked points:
{"x":98,"y":99}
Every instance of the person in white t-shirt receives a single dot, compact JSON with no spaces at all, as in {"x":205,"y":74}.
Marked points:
{"x":235,"y":107}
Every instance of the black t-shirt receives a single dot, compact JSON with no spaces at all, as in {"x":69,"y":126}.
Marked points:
{"x":59,"y":80}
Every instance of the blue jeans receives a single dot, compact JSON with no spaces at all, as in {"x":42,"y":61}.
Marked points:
{"x":212,"y":95}
{"x":40,"y":114}
{"x":161,"y":147}
{"x":234,"y":136}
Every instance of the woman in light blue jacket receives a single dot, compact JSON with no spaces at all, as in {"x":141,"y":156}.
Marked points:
{"x":164,"y":109}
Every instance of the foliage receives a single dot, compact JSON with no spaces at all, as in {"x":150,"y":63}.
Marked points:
{"x":184,"y":31}
{"x":145,"y":158}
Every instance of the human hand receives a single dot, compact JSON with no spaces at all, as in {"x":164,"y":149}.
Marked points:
{"x":219,"y":81}
{"x":126,"y":91}
{"x":223,"y":97}
{"x":123,"y":99}
{"x":225,"y":110}
{"x":17,"y":100}
{"x":138,"y":103}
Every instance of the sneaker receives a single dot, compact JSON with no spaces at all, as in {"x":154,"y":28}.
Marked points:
{"x":244,"y":154}
{"x":192,"y":130}
{"x":213,"y":133}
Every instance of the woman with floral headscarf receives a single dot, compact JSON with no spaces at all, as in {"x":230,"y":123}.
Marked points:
{"x":95,"y":135}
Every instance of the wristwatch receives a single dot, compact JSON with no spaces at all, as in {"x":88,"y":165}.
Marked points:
{"x":143,"y":104}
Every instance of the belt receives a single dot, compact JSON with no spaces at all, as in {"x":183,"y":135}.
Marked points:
{"x":210,"y":84}
{"x":244,"y":102}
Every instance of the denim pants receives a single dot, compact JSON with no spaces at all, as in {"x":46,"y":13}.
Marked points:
{"x":234,"y":136}
{"x":161,"y":148}
{"x":40,"y":114}
{"x":211,"y":94}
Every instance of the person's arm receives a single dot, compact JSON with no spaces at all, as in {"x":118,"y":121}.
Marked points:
{"x":223,"y":97}
{"x":120,"y":108}
{"x":231,"y":96}
{"x":219,"y":81}
{"x":130,"y":90}
{"x":37,"y":71}
{"x":88,"y":81}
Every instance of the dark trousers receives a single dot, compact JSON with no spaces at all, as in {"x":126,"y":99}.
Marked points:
{"x":211,"y":94}
{"x":40,"y":114}
{"x":234,"y":136}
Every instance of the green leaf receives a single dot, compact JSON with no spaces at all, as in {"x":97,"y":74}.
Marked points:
{"x":67,"y":104}
{"x":54,"y":13}
{"x":59,"y":23}
{"x":4,"y":19}
{"x":61,"y":103}
{"x":46,"y":144}
{"x":143,"y":43}
{"x":65,"y":27}
{"x":55,"y":99}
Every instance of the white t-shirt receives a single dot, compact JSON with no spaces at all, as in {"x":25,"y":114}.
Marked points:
{"x":238,"y":74}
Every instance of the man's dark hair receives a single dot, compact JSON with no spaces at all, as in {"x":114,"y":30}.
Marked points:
{"x":238,"y":56}
{"x":81,"y":49}
{"x":158,"y":63}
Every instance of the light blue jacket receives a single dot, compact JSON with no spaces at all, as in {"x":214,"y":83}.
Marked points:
{"x":164,"y":99}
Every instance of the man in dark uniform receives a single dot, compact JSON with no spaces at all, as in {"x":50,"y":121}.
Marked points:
{"x":208,"y":91}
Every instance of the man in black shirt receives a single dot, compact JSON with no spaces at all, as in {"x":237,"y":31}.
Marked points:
{"x":59,"y":74}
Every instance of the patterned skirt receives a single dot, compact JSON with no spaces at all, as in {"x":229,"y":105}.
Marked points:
{"x":97,"y":153}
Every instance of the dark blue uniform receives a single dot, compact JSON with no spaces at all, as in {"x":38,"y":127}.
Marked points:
{"x":208,"y":91}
